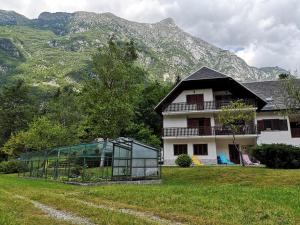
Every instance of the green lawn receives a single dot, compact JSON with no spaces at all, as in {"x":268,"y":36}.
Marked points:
{"x":203,"y":195}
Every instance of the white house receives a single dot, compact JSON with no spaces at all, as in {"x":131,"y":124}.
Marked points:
{"x":190,"y":117}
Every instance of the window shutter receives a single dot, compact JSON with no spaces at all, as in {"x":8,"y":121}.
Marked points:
{"x":260,"y":125}
{"x":275,"y":123}
{"x":283,"y":125}
{"x":207,"y":126}
{"x":192,"y":123}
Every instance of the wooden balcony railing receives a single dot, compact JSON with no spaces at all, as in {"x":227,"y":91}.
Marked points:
{"x":207,"y":105}
{"x":206,"y":131}
{"x":295,"y":132}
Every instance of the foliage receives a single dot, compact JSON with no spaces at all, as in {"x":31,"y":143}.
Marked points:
{"x":183,"y":160}
{"x":15,"y":109}
{"x":143,"y":134}
{"x":234,"y":114}
{"x":284,"y":76}
{"x":291,"y":94}
{"x":44,"y":134}
{"x":13,"y":167}
{"x":279,"y":156}
{"x":15,"y":144}
{"x":110,"y":93}
{"x":152,"y":93}
{"x":64,"y":107}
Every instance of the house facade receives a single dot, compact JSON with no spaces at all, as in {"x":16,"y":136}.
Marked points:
{"x":191,"y":124}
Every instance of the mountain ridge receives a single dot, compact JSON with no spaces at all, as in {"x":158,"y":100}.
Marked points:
{"x":64,"y":42}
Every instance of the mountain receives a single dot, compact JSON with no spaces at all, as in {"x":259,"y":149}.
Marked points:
{"x":56,"y":48}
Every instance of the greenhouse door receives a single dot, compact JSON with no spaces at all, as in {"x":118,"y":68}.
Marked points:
{"x":121,"y":166}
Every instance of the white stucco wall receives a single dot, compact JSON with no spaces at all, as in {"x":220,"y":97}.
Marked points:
{"x":276,"y":137}
{"x":207,"y":95}
{"x":169,"y":157}
{"x":175,"y":121}
{"x":222,"y":144}
{"x":181,"y":120}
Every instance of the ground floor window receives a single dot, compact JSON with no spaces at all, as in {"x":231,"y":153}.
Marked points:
{"x":200,"y":149}
{"x":180,"y":149}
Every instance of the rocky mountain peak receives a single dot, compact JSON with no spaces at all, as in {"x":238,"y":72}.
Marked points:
{"x":12,"y":18}
{"x":168,"y":22}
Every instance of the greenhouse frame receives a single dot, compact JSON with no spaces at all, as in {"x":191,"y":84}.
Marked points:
{"x":105,"y":160}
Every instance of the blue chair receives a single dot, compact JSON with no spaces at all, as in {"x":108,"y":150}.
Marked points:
{"x":222,"y":159}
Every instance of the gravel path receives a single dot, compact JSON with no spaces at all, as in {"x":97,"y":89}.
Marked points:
{"x":62,"y":215}
{"x":57,"y":214}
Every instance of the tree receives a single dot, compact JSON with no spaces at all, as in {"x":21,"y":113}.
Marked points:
{"x":152,"y":93}
{"x":284,"y":76}
{"x":15,"y":144}
{"x":110,"y":93}
{"x":291,"y":94}
{"x":234,"y":116}
{"x":15,"y":109}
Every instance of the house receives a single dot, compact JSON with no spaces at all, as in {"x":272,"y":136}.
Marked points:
{"x":190,"y":117}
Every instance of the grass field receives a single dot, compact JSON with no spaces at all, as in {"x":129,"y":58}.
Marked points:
{"x":203,"y":195}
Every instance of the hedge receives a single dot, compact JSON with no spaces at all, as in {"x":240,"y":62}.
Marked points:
{"x":13,"y":167}
{"x":279,"y":156}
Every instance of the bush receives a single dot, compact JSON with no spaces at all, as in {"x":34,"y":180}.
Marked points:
{"x":13,"y":167}
{"x":183,"y":160}
{"x":277,"y":155}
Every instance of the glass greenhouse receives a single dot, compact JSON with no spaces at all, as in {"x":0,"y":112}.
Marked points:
{"x":118,"y":159}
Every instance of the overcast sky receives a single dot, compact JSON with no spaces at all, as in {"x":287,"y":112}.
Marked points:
{"x":262,"y":32}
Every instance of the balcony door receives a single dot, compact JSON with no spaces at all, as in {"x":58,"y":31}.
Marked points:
{"x":196,"y":99}
{"x":203,"y":125}
{"x":234,"y":154}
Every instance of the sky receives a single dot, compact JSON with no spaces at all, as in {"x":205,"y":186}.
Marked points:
{"x":262,"y":32}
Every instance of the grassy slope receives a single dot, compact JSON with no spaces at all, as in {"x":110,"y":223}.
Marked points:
{"x":206,"y":195}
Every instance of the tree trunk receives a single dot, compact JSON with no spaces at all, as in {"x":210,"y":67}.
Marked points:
{"x":239,"y":151}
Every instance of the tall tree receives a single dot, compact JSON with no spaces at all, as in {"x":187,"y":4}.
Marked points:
{"x":15,"y":109}
{"x":235,"y":116}
{"x":111,"y":91}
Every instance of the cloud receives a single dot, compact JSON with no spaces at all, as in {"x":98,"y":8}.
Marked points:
{"x":262,"y":32}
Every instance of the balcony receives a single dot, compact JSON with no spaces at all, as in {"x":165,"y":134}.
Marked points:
{"x":206,"y":105}
{"x":207,"y":131}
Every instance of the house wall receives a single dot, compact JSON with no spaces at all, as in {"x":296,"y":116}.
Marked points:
{"x":175,"y":121}
{"x":222,"y":144}
{"x":276,"y":137}
{"x":211,"y":158}
{"x":181,"y":120}
{"x":207,"y":95}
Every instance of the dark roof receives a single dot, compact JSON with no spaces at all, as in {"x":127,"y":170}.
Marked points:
{"x":205,"y":73}
{"x":271,"y":91}
{"x":204,"y":78}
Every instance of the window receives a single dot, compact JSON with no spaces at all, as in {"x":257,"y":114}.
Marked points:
{"x":180,"y":149}
{"x":272,"y":124}
{"x":200,"y":149}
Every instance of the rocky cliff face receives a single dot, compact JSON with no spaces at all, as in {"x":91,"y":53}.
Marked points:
{"x":164,"y":49}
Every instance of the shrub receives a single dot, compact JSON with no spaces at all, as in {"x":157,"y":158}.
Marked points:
{"x":277,"y":155}
{"x":183,"y":160}
{"x":13,"y":167}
